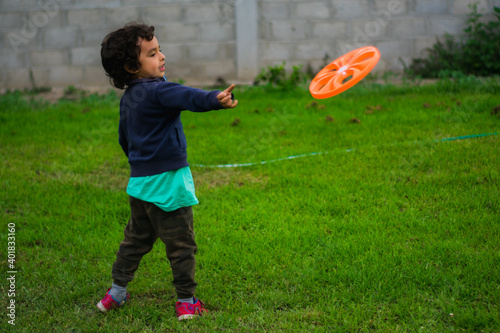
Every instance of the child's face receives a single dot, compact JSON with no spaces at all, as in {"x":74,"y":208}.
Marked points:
{"x":151,"y":59}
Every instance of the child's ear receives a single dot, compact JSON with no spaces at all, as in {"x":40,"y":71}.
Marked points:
{"x":130,"y":70}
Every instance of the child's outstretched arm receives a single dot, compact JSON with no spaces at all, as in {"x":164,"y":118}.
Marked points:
{"x":226,"y":98}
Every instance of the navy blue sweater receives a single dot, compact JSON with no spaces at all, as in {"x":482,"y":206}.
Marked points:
{"x":150,"y":129}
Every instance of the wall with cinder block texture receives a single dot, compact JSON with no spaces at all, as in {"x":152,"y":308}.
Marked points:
{"x":314,"y":32}
{"x":57,"y":42}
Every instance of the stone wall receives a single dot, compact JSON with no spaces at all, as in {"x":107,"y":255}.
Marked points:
{"x":57,"y":42}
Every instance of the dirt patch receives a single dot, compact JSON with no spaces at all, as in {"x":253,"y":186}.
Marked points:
{"x":211,"y":178}
{"x":53,"y":95}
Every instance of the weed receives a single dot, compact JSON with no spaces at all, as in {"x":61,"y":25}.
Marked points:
{"x":277,"y":76}
{"x":476,"y":54}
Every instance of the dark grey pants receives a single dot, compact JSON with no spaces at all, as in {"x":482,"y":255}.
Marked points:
{"x":148,"y":223}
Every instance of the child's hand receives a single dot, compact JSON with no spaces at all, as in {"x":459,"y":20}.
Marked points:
{"x":225,"y":98}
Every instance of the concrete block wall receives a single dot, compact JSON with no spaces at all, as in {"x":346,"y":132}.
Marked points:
{"x":57,"y":42}
{"x":309,"y":32}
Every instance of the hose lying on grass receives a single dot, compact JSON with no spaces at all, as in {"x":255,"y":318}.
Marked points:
{"x":463,"y":137}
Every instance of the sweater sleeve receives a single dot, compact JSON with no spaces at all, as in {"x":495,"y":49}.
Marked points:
{"x":178,"y":97}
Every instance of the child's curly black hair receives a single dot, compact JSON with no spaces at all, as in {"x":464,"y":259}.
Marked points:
{"x":120,"y":50}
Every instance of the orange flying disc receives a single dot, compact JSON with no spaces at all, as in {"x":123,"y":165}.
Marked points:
{"x":344,"y":72}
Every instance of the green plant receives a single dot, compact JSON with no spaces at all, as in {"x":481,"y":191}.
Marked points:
{"x":476,"y":54}
{"x":179,"y":81}
{"x":277,"y":76}
{"x":481,"y":52}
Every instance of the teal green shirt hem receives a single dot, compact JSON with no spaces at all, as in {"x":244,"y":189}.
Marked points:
{"x":170,"y":190}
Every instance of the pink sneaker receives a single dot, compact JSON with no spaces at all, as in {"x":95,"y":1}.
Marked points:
{"x":108,"y":303}
{"x":190,"y":311}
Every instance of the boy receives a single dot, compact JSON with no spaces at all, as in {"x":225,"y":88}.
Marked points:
{"x":161,"y":190}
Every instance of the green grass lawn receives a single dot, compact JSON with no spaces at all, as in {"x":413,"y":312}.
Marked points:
{"x":389,"y":228}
